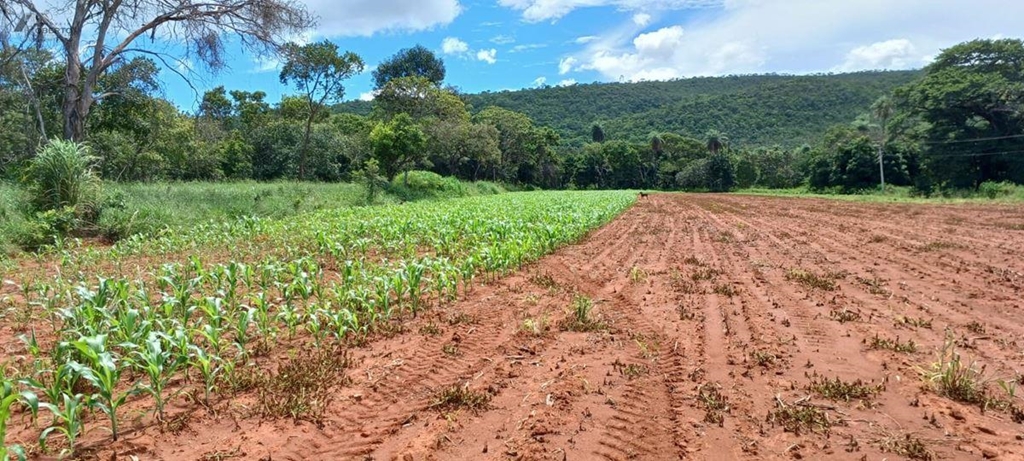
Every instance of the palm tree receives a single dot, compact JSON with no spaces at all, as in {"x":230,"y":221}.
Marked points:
{"x":882,"y":110}
{"x":716,"y":141}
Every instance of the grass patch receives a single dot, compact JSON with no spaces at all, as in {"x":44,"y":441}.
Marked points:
{"x":919,"y":322}
{"x":303,"y":387}
{"x":895,"y":345}
{"x":801,"y":418}
{"x":714,"y":403}
{"x":838,"y":390}
{"x":809,"y":279}
{"x":908,"y":447}
{"x":844,"y":315}
{"x":456,"y":397}
{"x":581,"y":316}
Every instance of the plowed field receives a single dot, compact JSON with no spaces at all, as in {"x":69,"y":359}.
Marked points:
{"x":723,"y":327}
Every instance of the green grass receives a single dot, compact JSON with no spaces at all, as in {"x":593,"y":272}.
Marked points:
{"x":148,"y":208}
{"x":1000,"y":193}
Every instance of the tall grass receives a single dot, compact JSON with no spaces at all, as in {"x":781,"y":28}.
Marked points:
{"x":61,"y":176}
{"x":1001,"y":192}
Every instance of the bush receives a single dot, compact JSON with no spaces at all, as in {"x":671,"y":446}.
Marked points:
{"x":61,"y":176}
{"x":994,"y":190}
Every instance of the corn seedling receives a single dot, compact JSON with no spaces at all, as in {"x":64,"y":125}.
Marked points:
{"x":158,"y":365}
{"x":894,"y":345}
{"x":9,"y":396}
{"x":67,"y":420}
{"x":846,"y":391}
{"x":104,"y":373}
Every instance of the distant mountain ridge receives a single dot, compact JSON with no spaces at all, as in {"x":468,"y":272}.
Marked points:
{"x":768,"y":109}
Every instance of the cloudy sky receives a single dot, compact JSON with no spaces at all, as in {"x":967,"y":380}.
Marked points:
{"x":511,"y":44}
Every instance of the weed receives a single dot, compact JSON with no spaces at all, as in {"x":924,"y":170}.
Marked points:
{"x":430,"y":329}
{"x":875,"y":285}
{"x":764,"y":359}
{"x":725,"y":289}
{"x":685,"y":313}
{"x":878,"y":238}
{"x":915,"y":322}
{"x":939,"y":246}
{"x":837,"y":389}
{"x":630,"y":371}
{"x":845,"y":315}
{"x":715,"y":404}
{"x":908,"y":447}
{"x":536,"y":326}
{"x":460,"y":318}
{"x":704,"y":273}
{"x":879,"y":343}
{"x":637,"y":275}
{"x":694,"y":261}
{"x":950,"y":376}
{"x":812,"y":280}
{"x":456,"y":397}
{"x":303,"y":387}
{"x":544,"y":280}
{"x":976,"y":328}
{"x":451,"y":350}
{"x":800,"y":418}
{"x":580,"y":318}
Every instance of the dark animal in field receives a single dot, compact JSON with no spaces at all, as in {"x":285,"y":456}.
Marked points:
{"x":644,"y":194}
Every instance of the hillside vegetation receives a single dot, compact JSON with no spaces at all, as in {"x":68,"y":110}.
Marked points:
{"x":753,"y":109}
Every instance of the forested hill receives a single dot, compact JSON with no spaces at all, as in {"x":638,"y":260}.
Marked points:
{"x":749,"y":109}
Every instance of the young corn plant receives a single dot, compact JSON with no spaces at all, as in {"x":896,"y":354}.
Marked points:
{"x":209,"y":367}
{"x":158,"y":365}
{"x":67,"y":420}
{"x":104,"y":373}
{"x":9,"y":396}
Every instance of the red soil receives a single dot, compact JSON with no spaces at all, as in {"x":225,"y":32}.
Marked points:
{"x":630,"y":390}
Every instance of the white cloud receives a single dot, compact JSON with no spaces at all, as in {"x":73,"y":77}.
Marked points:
{"x":540,"y":81}
{"x":784,"y":36}
{"x":488,"y":56}
{"x":452,"y":45}
{"x":567,"y":82}
{"x":266,"y":64}
{"x":503,"y":39}
{"x":368,"y":96}
{"x":585,"y":39}
{"x":565,"y":65}
{"x":543,"y":10}
{"x":527,"y":47}
{"x":642,"y":19}
{"x":348,"y":18}
{"x":890,"y":54}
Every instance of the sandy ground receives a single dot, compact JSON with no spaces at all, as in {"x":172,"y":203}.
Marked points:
{"x":700,"y":298}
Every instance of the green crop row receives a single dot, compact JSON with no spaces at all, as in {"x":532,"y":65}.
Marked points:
{"x":325,"y":279}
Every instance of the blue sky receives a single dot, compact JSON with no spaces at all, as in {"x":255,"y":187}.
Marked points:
{"x":511,"y":44}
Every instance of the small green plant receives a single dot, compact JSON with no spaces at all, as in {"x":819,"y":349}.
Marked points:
{"x":800,"y":418}
{"x":581,"y":318}
{"x":908,"y":447}
{"x":715,"y":404}
{"x":976,"y":328}
{"x":104,"y":373}
{"x":302,"y":388}
{"x":456,"y":397}
{"x":430,"y":329}
{"x":67,"y":419}
{"x":950,"y":376}
{"x":846,"y":391}
{"x":844,"y":315}
{"x":724,"y":289}
{"x":536,"y":326}
{"x":919,"y":322}
{"x":812,"y":280}
{"x":9,"y":396}
{"x":764,"y":358}
{"x":879,"y":343}
{"x":630,"y":371}
{"x":158,"y":365}
{"x":209,"y":367}
{"x":637,"y":275}
{"x":704,"y":273}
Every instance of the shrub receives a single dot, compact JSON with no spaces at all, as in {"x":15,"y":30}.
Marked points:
{"x":61,"y":176}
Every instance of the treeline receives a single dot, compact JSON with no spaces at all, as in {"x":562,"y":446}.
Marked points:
{"x":955,"y":125}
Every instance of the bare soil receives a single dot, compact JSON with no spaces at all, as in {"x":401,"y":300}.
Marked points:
{"x":712,"y":316}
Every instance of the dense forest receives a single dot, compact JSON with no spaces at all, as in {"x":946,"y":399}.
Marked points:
{"x":757,"y":110}
{"x":957,"y":124}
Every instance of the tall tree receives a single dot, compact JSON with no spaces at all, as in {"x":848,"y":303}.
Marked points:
{"x":716,"y":141}
{"x":398,"y":145}
{"x":597,"y":133}
{"x":317,"y":70}
{"x":417,"y":61}
{"x":94,"y":35}
{"x":971,"y":103}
